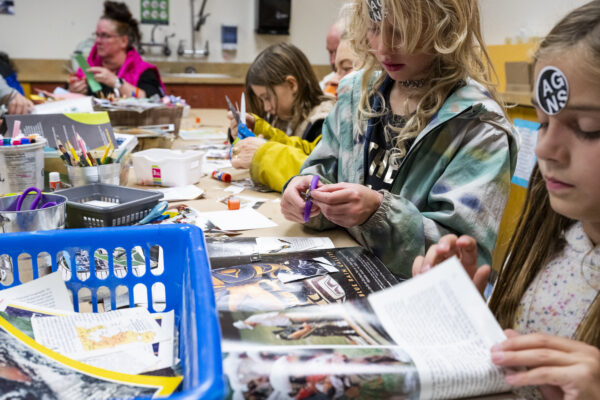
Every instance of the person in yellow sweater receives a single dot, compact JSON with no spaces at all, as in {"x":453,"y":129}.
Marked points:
{"x":272,"y":156}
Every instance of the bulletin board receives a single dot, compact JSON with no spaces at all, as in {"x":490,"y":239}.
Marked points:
{"x":154,"y":12}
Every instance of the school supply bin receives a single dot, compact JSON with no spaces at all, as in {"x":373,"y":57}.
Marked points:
{"x":26,"y":219}
{"x":186,"y":280}
{"x":165,"y":167}
{"x":102,"y":205}
{"x":104,"y":173}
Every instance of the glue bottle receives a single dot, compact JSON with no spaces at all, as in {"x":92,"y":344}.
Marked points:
{"x":221,"y":176}
{"x":54,"y":181}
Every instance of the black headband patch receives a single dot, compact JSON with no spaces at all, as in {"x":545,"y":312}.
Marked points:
{"x":552,"y":90}
{"x":375,"y":10}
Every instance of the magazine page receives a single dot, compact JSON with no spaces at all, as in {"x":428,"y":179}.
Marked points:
{"x":46,"y":291}
{"x":239,"y":246}
{"x":307,"y":372}
{"x":136,"y":360}
{"x":32,"y":371}
{"x":335,"y":324}
{"x":443,"y":323}
{"x":279,"y":281}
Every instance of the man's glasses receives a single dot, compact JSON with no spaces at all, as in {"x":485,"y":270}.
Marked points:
{"x":104,"y":36}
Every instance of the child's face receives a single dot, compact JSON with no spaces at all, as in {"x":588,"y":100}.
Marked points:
{"x":278,"y":101}
{"x":399,"y":65}
{"x":568,"y":146}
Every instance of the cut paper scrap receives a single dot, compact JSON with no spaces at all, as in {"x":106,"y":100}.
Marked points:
{"x":180,"y":193}
{"x":238,"y":220}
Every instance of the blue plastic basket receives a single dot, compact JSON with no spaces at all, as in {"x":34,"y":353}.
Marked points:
{"x":186,"y":279}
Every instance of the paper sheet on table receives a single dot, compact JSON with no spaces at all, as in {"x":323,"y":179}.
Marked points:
{"x":78,"y":105}
{"x":48,"y":291}
{"x":238,"y":220}
{"x":267,"y":245}
{"x":179,"y":193}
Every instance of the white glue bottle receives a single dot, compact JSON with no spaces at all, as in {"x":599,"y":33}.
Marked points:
{"x":54,"y":181}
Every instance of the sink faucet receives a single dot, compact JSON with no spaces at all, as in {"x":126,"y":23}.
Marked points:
{"x":165,"y":46}
{"x":195,"y":27}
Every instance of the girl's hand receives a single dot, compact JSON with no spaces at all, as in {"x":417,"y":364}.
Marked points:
{"x":243,"y":151}
{"x":234,"y":126}
{"x":77,"y":85}
{"x":465,"y":248}
{"x":292,"y":199}
{"x":564,"y":368}
{"x":346,"y":204}
{"x":105,"y":76}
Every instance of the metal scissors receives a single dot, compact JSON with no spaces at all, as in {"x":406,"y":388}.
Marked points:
{"x":34,"y":204}
{"x":243,"y":131}
{"x":233,"y":110}
{"x":154,"y":214}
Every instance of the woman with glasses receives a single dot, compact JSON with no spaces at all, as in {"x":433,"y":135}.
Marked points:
{"x":115,"y":62}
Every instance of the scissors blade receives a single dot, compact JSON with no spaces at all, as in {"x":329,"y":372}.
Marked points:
{"x":233,"y":110}
{"x":243,"y":109}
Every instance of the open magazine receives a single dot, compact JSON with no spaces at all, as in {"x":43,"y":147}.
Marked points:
{"x":264,"y":282}
{"x":429,"y":337}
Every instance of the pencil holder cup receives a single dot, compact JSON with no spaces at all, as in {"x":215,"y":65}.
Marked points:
{"x":107,"y":173}
{"x":21,"y":166}
{"x":26,"y":220}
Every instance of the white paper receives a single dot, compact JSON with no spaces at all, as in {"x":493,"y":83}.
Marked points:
{"x":179,"y":193}
{"x":234,"y":189}
{"x":441,"y":320}
{"x":526,"y":157}
{"x":100,"y":203}
{"x":287,"y":244}
{"x":79,"y":105}
{"x":47,"y":291}
{"x":85,"y":335}
{"x":238,"y":220}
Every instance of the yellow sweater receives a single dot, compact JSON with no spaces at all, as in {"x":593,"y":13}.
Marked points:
{"x":276,"y":161}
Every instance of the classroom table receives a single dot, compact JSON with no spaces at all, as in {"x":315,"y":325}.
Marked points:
{"x":214,"y":189}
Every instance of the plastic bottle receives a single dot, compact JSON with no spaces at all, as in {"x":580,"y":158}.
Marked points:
{"x":221,"y":176}
{"x":54,"y":181}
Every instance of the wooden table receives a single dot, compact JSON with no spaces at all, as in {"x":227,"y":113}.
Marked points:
{"x":216,"y":118}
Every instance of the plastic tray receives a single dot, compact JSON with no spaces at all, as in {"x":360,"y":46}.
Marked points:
{"x":131,"y":205}
{"x":186,"y":279}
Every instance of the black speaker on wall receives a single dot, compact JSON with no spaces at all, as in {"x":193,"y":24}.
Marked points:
{"x":273,"y":16}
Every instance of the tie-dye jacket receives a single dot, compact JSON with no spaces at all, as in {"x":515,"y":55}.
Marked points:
{"x":454,"y":178}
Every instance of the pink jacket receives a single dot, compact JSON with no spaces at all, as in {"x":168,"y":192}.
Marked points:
{"x":130,"y":71}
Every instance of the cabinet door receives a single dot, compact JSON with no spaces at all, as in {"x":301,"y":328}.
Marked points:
{"x":206,"y":95}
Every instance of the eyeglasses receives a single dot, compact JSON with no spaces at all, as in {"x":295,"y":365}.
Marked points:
{"x":104,"y":36}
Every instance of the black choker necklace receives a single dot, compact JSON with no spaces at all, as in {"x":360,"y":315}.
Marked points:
{"x":412,"y":83}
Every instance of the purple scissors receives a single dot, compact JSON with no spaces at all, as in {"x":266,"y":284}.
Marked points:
{"x":313,"y":185}
{"x":36,"y":200}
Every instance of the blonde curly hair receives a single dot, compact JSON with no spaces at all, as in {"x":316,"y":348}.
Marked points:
{"x":450,"y":29}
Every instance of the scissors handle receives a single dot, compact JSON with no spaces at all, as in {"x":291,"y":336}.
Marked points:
{"x":244,"y":132}
{"x":155,"y":213}
{"x":308,"y":205}
{"x":23,"y":196}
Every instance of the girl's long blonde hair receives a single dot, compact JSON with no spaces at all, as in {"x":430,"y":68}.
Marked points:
{"x":450,"y":29}
{"x":539,"y":234}
{"x":271,"y":68}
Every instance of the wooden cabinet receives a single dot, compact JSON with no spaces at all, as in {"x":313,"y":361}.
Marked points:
{"x":206,"y":95}
{"x":197,"y":95}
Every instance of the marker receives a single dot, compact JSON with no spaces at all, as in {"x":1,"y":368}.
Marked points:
{"x":25,"y":140}
{"x":16,"y":142}
{"x":16,"y":128}
{"x":6,"y":141}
